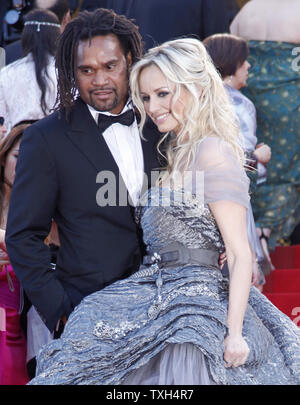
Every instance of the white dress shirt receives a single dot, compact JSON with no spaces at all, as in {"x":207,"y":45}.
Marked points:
{"x":125,"y":145}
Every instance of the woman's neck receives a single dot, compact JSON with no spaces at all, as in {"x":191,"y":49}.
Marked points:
{"x":229,"y":80}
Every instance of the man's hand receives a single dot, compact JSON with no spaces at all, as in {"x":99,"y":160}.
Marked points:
{"x":64,"y":319}
{"x":263,"y":153}
{"x":255,"y":274}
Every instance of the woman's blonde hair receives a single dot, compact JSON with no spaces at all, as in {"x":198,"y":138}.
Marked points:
{"x":186,"y":63}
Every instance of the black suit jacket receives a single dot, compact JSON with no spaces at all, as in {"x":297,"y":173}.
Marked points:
{"x":56,"y":177}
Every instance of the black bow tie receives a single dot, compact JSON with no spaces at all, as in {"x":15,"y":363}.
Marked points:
{"x":104,"y":121}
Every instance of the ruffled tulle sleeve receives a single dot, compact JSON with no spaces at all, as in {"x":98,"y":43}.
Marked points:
{"x":223,"y":177}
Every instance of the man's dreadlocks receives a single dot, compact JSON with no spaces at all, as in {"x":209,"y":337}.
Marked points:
{"x":86,"y":26}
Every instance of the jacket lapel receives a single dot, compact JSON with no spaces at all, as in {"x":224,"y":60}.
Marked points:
{"x":85,"y":135}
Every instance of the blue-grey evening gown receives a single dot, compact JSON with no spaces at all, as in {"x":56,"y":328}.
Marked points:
{"x":166,"y":325}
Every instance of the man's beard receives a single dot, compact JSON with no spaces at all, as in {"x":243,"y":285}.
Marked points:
{"x":108,"y":106}
{"x":105,"y":106}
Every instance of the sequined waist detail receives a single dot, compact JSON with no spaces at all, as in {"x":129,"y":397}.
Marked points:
{"x":177,"y":254}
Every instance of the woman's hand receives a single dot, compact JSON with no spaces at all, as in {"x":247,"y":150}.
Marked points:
{"x":263,"y":153}
{"x":4,"y":259}
{"x":236,"y":351}
{"x":2,"y":240}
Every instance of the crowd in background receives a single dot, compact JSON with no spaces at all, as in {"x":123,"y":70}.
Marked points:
{"x":254,"y":57}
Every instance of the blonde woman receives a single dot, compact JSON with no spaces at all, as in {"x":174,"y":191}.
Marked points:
{"x":177,"y":320}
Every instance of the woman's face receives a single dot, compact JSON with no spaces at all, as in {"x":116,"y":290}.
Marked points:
{"x":10,"y":164}
{"x":239,"y":79}
{"x":156,"y":94}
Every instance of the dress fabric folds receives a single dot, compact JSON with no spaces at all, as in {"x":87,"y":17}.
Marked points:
{"x":166,"y":324}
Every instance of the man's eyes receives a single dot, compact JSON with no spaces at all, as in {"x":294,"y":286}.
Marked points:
{"x":111,"y":66}
{"x":86,"y":70}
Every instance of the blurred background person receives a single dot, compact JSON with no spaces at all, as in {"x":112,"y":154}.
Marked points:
{"x":12,"y":338}
{"x":162,"y":20}
{"x":89,"y":5}
{"x":28,"y":87}
{"x":272,"y":30}
{"x":229,"y":54}
{"x":59,"y":7}
{"x":5,"y":6}
{"x":3,"y":129}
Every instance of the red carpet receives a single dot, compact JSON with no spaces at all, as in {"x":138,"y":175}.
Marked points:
{"x":282,"y":286}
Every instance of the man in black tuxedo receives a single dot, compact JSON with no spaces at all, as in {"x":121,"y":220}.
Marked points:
{"x":64,"y":162}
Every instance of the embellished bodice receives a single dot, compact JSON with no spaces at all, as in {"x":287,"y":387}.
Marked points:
{"x":167,"y":216}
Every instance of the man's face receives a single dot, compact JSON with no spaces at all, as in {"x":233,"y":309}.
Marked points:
{"x":102,"y":73}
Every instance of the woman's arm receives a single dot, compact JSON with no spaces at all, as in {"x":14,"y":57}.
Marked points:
{"x":231,"y":220}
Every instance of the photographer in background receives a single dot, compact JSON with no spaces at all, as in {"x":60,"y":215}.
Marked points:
{"x":4,"y":5}
{"x":11,"y":19}
{"x":60,"y":8}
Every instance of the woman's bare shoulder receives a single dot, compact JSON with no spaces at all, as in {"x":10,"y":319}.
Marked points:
{"x":268,"y":20}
